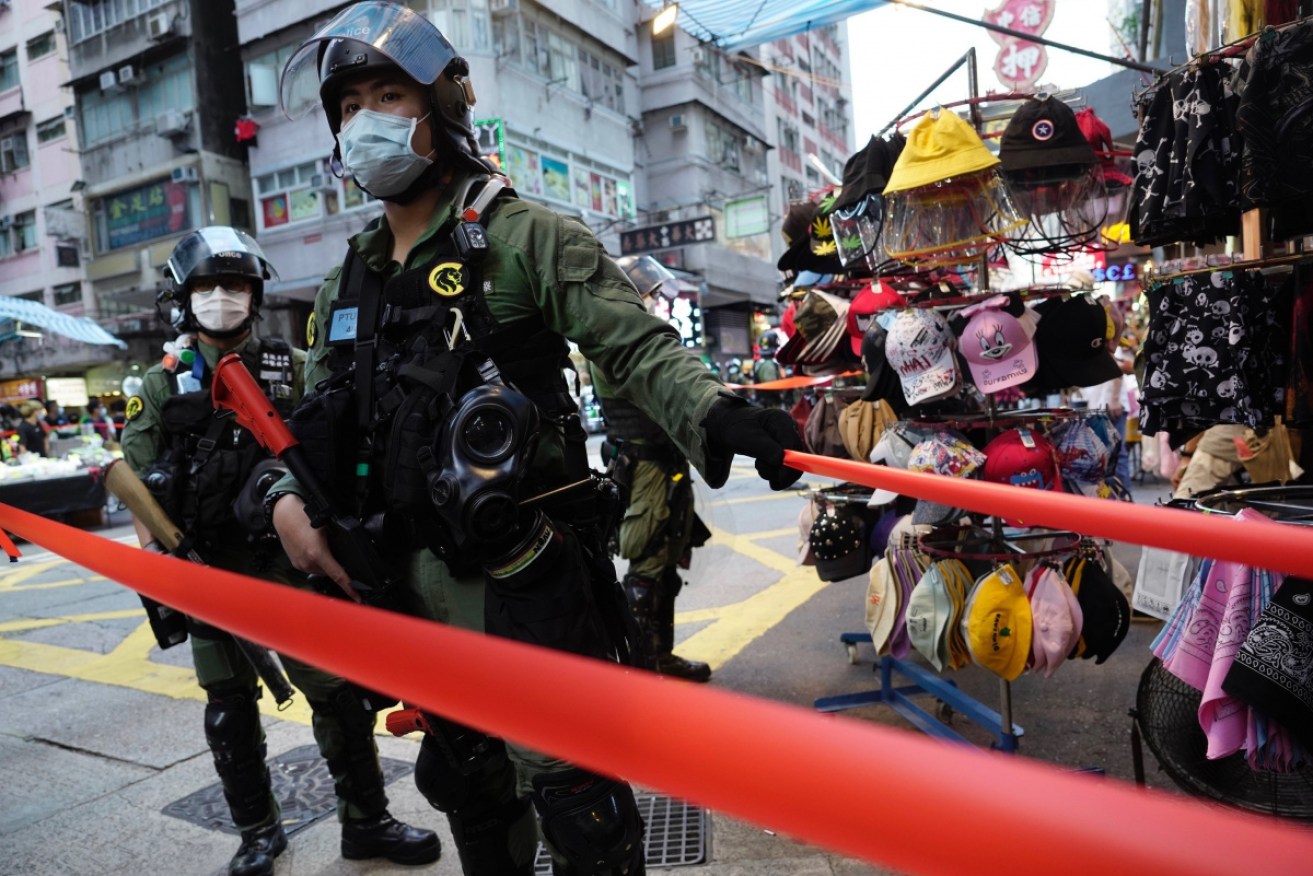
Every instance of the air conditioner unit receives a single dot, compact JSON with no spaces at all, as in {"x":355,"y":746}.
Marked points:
{"x":677,"y":122}
{"x":108,"y":80}
{"x":699,"y":55}
{"x":184,"y":174}
{"x":171,"y":122}
{"x":159,"y":26}
{"x":127,"y":73}
{"x":504,"y":7}
{"x":59,"y":24}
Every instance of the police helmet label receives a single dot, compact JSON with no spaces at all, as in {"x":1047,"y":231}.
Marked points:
{"x":447,"y":279}
{"x":134,"y":408}
{"x":311,"y":330}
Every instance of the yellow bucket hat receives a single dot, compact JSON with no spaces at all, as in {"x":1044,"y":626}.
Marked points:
{"x":999,"y":624}
{"x":941,"y":146}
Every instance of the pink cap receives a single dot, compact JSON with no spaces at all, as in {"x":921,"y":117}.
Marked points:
{"x":998,"y":347}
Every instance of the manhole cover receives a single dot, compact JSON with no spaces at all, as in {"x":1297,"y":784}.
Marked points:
{"x":677,"y":834}
{"x":302,"y":785}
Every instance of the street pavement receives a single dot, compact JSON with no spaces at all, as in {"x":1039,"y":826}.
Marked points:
{"x":100,"y":731}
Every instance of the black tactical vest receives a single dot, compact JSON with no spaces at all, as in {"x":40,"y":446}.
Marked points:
{"x":421,"y":336}
{"x":209,"y":457}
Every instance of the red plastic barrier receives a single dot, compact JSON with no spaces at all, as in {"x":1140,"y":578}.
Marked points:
{"x":890,"y":797}
{"x":1255,"y":543}
{"x":794,"y":382}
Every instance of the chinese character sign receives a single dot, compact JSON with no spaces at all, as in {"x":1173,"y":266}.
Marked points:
{"x":1020,"y":62}
{"x":146,"y":212}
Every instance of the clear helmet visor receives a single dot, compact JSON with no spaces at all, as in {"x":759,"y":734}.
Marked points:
{"x":215,"y":250}
{"x":649,"y":276}
{"x":404,"y":36}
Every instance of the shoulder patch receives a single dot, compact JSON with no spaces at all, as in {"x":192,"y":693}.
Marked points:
{"x":134,"y":408}
{"x":311,"y":329}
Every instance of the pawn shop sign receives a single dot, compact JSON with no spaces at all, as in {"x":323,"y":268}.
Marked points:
{"x":1020,"y":62}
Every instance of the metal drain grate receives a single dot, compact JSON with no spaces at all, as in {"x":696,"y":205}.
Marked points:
{"x":677,"y":834}
{"x":302,"y":785}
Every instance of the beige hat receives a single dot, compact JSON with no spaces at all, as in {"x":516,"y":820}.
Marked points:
{"x":881,"y":602}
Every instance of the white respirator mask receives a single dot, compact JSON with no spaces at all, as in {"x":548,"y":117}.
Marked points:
{"x":220,"y":310}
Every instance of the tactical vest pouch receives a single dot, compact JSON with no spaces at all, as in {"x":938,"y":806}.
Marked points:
{"x":325,"y":426}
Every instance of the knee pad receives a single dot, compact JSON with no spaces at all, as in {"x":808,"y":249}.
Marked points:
{"x":591,"y":821}
{"x":459,"y":768}
{"x":232,"y":720}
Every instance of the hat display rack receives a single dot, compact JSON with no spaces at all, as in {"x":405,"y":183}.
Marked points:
{"x":994,"y":549}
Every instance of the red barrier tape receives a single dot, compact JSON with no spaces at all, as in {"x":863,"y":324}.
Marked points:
{"x":1257,"y":543}
{"x":890,"y":797}
{"x":795,"y":382}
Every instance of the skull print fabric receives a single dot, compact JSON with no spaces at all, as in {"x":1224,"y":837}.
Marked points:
{"x":1216,"y":351}
{"x":1187,"y":158}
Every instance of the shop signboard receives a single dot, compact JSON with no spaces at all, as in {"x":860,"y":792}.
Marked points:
{"x":747,"y":216}
{"x":68,"y":391}
{"x":1020,"y":62}
{"x":14,"y":391}
{"x":490,"y":134}
{"x":668,"y":235}
{"x":145,"y":213}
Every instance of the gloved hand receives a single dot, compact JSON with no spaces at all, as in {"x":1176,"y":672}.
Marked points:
{"x":735,"y":426}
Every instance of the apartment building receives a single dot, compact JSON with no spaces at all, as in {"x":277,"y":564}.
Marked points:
{"x":157,"y":85}
{"x":41,"y":224}
{"x":556,"y":99}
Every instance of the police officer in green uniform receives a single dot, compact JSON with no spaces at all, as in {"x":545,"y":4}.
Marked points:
{"x":208,"y":475}
{"x":443,"y":419}
{"x":660,"y":528}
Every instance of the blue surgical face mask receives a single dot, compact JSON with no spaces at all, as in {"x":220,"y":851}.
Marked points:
{"x":376,"y":151}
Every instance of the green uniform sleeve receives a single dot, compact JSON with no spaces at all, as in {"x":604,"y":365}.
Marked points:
{"x":583,"y":295}
{"x":143,"y":439}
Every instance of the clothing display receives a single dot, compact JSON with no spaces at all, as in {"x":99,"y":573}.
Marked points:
{"x":1216,"y":351}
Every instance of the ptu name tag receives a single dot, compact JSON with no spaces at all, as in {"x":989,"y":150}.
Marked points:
{"x":342,"y":324}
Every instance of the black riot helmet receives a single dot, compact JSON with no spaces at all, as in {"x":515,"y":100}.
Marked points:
{"x":374,"y":36}
{"x":213,"y":251}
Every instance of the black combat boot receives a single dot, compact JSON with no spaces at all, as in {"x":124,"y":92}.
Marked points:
{"x":667,"y":662}
{"x":384,"y":837}
{"x":255,"y":856}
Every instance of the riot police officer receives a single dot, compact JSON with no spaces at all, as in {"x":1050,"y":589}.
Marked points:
{"x":660,"y":528}
{"x":437,"y":350}
{"x":207,"y":474}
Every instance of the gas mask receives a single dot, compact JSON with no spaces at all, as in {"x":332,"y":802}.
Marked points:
{"x":481,"y":458}
{"x":219,"y":310}
{"x":376,"y":151}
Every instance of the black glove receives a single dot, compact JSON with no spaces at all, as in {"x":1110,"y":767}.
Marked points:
{"x":735,"y":426}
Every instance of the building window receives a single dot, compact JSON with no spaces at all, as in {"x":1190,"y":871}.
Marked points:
{"x":86,"y":18}
{"x":111,"y":114}
{"x":9,"y":69}
{"x":262,"y":76}
{"x":464,"y":22}
{"x":724,"y":145}
{"x":25,"y":231}
{"x":663,"y":50}
{"x":792,"y":189}
{"x":13,"y":152}
{"x":506,"y":39}
{"x":67,"y":293}
{"x":294,"y":194}
{"x":40,"y":46}
{"x":50,"y":129}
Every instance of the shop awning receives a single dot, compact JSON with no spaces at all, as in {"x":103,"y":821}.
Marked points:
{"x":739,"y":24}
{"x":33,"y":313}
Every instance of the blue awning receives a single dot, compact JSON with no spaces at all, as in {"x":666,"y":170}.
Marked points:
{"x":77,"y":327}
{"x":739,"y":24}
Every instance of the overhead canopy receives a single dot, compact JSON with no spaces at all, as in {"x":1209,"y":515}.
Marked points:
{"x":739,"y":24}
{"x":77,"y":327}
